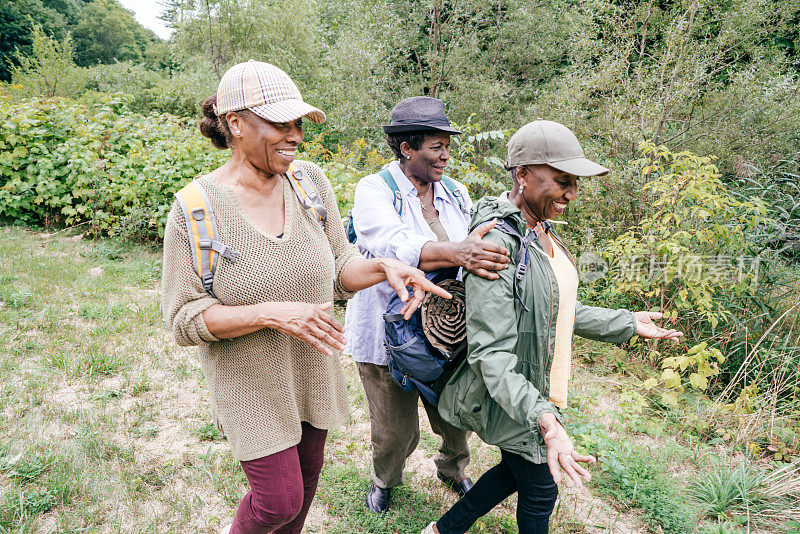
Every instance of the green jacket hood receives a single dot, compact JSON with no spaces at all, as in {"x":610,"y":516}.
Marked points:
{"x":489,"y":208}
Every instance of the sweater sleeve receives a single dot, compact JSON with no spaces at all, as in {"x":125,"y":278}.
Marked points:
{"x":492,"y":337}
{"x":343,"y":251}
{"x":183,"y":298}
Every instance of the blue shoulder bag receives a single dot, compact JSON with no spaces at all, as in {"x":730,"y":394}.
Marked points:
{"x":414,"y":363}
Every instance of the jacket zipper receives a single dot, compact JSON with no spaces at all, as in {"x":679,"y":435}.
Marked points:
{"x":549,"y":325}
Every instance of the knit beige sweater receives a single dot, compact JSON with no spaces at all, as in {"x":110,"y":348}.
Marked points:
{"x":263,"y":384}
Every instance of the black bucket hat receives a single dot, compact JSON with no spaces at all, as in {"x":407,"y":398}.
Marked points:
{"x":419,"y":113}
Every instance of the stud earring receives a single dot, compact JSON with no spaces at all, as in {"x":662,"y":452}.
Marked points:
{"x":521,"y":188}
{"x":408,"y":157}
{"x":237,"y":133}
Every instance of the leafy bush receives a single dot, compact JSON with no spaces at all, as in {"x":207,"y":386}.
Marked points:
{"x":67,"y":163}
{"x":473,"y":161}
{"x":154,"y":91}
{"x":344,"y":166}
{"x":779,"y":186}
{"x":697,"y":258}
{"x":49,"y":70}
{"x":97,"y":162}
{"x":685,"y":253}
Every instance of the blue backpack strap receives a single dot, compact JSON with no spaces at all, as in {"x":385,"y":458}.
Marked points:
{"x":397,"y":198}
{"x":201,"y":227}
{"x":397,"y":201}
{"x":452,"y":186}
{"x":349,"y":228}
{"x":307,"y":194}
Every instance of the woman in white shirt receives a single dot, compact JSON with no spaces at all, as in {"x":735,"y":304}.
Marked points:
{"x":422,"y":221}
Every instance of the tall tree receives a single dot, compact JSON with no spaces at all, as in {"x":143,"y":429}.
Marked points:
{"x":229,"y":31}
{"x":109,"y":32}
{"x":481,"y":57}
{"x":17,"y":18}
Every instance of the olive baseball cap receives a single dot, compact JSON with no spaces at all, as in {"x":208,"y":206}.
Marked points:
{"x":553,"y":144}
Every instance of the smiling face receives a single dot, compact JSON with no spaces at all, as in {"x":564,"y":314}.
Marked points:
{"x":547,"y":191}
{"x":268,"y":146}
{"x":427,"y":164}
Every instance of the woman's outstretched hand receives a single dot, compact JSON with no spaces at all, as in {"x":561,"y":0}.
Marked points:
{"x":401,"y":276}
{"x":311,"y":323}
{"x":560,"y":452}
{"x":645,"y":327}
{"x":482,"y":257}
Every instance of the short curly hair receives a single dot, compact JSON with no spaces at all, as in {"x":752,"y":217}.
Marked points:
{"x":414,"y":140}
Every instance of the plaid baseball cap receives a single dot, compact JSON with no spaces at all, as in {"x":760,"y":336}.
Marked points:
{"x":553,"y":144}
{"x":265,"y":90}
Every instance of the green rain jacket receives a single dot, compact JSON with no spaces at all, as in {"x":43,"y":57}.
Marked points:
{"x":502,"y":387}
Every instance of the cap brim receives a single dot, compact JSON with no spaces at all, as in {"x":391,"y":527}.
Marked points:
{"x":579,"y":167}
{"x":403,"y":128}
{"x":288,"y":111}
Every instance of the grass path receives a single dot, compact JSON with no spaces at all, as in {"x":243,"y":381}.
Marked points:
{"x":105,"y":423}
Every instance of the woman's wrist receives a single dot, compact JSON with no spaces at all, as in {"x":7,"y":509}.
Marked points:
{"x":269,"y":315}
{"x":380,"y":266}
{"x":546,"y":422}
{"x":457,"y":255}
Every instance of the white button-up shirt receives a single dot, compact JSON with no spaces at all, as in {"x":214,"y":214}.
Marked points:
{"x":383,"y":233}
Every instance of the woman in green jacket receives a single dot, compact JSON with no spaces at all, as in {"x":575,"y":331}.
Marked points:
{"x":513,"y":384}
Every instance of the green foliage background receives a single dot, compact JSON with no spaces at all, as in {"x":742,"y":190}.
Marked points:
{"x":693,"y":104}
{"x":65,"y":163}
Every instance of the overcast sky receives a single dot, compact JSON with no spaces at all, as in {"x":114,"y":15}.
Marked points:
{"x":147,"y":12}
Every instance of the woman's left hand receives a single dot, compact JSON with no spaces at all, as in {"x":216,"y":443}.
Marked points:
{"x":561,"y":453}
{"x":401,"y":276}
{"x":645,"y":327}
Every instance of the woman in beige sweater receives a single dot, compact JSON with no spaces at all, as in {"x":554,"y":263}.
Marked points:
{"x":266,"y":331}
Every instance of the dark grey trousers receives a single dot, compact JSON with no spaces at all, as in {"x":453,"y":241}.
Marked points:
{"x":394,"y":424}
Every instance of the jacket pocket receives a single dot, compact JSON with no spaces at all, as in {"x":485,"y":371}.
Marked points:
{"x":534,"y":367}
{"x":472,"y":400}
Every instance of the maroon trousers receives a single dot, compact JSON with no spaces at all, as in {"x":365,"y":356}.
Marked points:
{"x":282,"y":486}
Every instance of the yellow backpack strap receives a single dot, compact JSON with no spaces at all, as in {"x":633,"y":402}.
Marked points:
{"x":307,"y":194}
{"x":201,"y":226}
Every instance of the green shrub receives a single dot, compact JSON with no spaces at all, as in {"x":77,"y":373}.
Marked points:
{"x":639,"y":480}
{"x":49,"y":70}
{"x":344,"y":166}
{"x":779,"y":186}
{"x":97,"y":162}
{"x":64,"y":163}
{"x":683,"y":255}
{"x":697,"y":258}
{"x":153,"y":91}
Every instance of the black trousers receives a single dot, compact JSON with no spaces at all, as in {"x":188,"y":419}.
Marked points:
{"x":537,"y":496}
